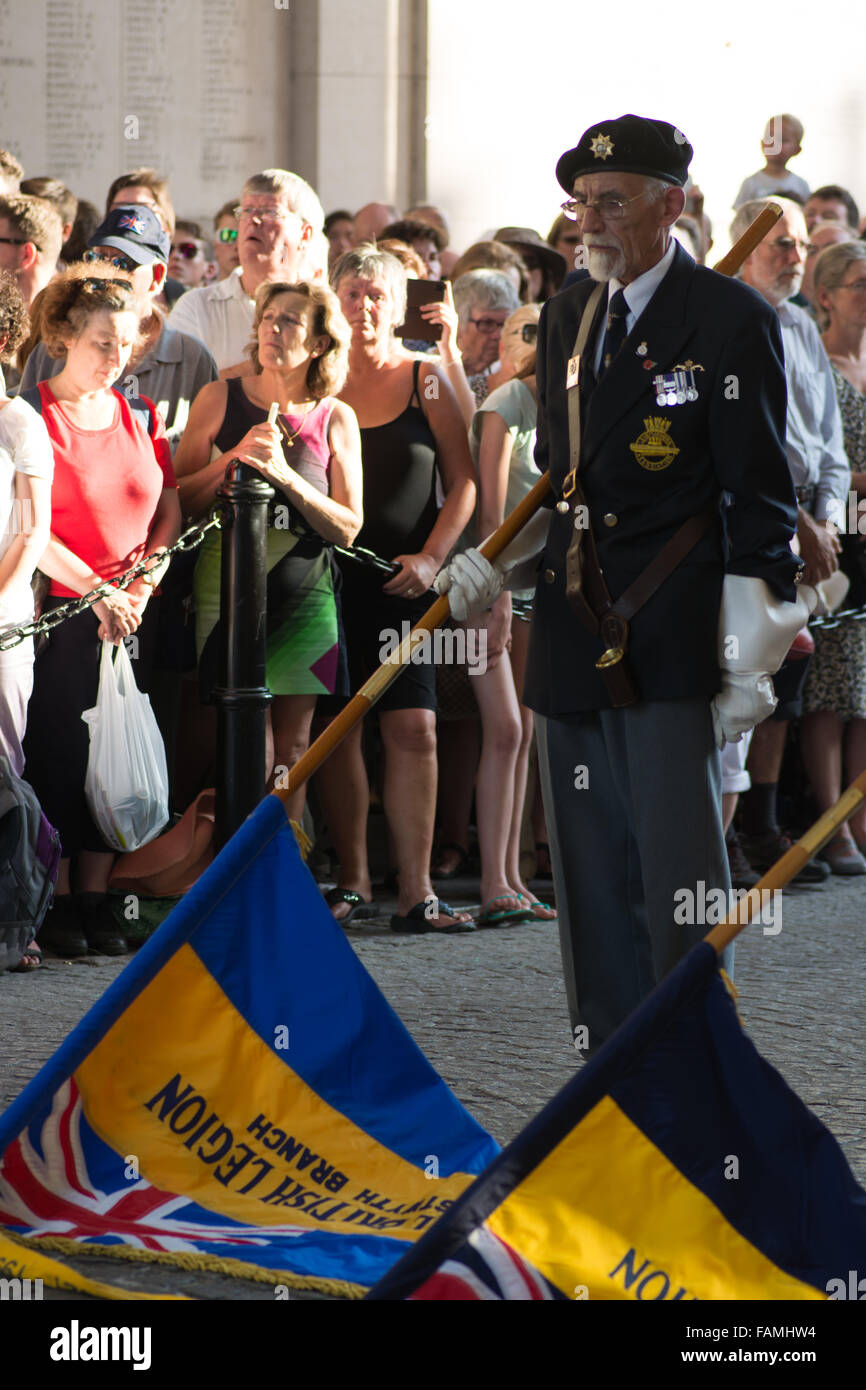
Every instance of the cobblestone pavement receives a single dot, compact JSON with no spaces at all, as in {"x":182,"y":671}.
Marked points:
{"x":489,"y":1011}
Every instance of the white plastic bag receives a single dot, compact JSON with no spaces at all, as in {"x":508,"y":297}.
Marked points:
{"x":127,"y":778}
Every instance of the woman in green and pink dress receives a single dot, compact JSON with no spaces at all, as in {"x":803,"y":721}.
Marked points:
{"x":312,"y":458}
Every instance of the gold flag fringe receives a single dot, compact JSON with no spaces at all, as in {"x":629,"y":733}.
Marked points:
{"x":236,"y":1269}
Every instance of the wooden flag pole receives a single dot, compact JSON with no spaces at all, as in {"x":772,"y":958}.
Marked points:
{"x":789,"y":865}
{"x":375,"y":687}
{"x":752,"y":237}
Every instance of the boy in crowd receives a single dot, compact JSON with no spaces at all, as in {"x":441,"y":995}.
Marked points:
{"x":782,"y":142}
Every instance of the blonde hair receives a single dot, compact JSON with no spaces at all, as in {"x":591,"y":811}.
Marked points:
{"x":831,"y":267}
{"x":326,"y":374}
{"x":367,"y":262}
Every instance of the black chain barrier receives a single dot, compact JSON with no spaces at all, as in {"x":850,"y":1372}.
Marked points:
{"x":193,"y":536}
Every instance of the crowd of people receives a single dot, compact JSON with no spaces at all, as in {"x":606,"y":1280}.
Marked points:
{"x":142,"y":352}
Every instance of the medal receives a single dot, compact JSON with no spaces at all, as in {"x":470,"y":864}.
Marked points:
{"x":676,"y":387}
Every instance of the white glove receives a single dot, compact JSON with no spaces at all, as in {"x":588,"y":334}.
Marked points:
{"x":756,"y":630}
{"x":471,"y":583}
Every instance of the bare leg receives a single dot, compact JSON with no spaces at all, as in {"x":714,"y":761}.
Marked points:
{"x":409,"y":736}
{"x":344,"y":794}
{"x":519,"y":652}
{"x":494,"y":791}
{"x":729,"y":806}
{"x":290,"y":717}
{"x":821,"y":742}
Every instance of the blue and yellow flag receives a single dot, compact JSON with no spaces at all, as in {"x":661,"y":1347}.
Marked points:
{"x":242,"y":1098}
{"x":677,"y":1165}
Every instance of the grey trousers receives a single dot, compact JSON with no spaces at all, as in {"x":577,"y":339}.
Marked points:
{"x":633,"y":804}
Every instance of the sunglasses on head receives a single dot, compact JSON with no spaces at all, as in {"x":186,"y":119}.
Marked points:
{"x":96,"y":282}
{"x":118,"y":261}
{"x":187,"y":249}
{"x":226,"y":234}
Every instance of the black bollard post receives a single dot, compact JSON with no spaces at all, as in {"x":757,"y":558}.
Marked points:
{"x":242,"y":697}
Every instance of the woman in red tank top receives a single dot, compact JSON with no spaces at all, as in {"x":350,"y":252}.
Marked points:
{"x":113,"y":500}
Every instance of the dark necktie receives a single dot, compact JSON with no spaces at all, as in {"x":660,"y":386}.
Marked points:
{"x":616,"y":333}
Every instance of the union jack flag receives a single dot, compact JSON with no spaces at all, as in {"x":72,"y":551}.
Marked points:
{"x":53,"y":1194}
{"x":132,"y":222}
{"x":486,"y":1269}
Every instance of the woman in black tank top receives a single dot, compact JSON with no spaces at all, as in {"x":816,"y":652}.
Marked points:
{"x":412,"y":434}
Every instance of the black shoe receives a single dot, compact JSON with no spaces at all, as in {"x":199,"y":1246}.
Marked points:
{"x":61,"y":932}
{"x":763,"y":851}
{"x":742,"y":873}
{"x":104,"y":937}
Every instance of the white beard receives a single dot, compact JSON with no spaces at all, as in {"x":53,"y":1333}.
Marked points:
{"x":605,"y":265}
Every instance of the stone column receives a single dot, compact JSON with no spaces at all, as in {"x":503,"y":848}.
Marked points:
{"x":358,"y":100}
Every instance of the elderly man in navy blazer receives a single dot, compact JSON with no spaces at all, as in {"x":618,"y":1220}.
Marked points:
{"x":667,"y":590}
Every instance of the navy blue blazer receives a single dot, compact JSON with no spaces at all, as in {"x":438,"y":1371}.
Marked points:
{"x":726,"y":449}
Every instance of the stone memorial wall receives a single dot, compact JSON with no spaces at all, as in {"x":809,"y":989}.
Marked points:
{"x":198,"y":89}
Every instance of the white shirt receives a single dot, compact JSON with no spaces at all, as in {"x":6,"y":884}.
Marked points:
{"x":637,"y":295}
{"x":24,"y":448}
{"x":813,"y":436}
{"x":220,"y":316}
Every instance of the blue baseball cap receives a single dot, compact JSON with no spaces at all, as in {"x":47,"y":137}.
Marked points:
{"x":137,"y":231}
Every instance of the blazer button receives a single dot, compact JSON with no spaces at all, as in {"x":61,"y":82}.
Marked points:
{"x":549,"y":576}
{"x":610,"y":518}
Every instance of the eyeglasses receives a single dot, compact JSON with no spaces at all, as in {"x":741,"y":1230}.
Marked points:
{"x":784,"y":244}
{"x":529,"y":332}
{"x":13,"y":240}
{"x":271,"y":214}
{"x":117,"y":261}
{"x":488,"y":326}
{"x":609,"y":207}
{"x":227,"y":234}
{"x":187,"y":249}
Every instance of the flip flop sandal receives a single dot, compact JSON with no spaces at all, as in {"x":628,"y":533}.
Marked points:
{"x":359,"y":909}
{"x":498,"y":919}
{"x":25,"y":967}
{"x":416,"y":921}
{"x":534,"y":906}
{"x":459,"y":867}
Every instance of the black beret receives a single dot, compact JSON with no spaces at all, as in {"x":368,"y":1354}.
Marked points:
{"x":629,"y":145}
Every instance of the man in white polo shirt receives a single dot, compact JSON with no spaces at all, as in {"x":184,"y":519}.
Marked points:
{"x":279,"y":214}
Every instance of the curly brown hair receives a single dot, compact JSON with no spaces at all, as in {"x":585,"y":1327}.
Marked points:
{"x":69,"y":300}
{"x":326,"y":375}
{"x":14,"y":321}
